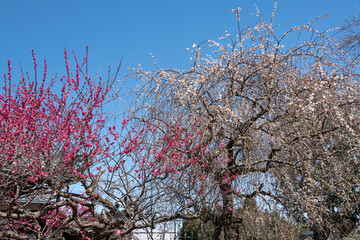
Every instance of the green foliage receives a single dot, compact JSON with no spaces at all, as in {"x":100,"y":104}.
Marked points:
{"x":253,"y":224}
{"x":258,"y":224}
{"x":190,"y":231}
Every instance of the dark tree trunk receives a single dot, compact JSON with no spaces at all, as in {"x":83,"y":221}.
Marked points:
{"x":223,"y":222}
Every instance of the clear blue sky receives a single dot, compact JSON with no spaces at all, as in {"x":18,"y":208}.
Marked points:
{"x":131,"y":28}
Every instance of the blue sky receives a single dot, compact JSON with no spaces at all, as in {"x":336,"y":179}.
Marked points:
{"x":132,"y":28}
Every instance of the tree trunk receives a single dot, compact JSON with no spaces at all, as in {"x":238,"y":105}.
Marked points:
{"x":224,"y":221}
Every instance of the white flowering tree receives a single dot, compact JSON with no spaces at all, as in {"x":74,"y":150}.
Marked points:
{"x":254,"y":117}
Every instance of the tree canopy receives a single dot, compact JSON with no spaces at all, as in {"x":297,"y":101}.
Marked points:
{"x":261,"y":132}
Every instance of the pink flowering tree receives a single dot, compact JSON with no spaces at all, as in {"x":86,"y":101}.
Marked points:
{"x":52,"y":133}
{"x":136,"y":184}
{"x":65,"y":169}
{"x":247,"y":114}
